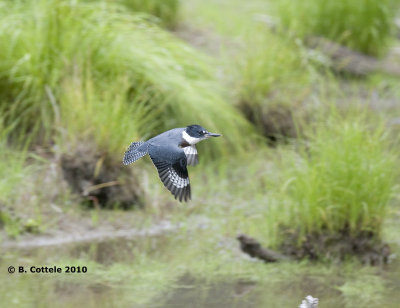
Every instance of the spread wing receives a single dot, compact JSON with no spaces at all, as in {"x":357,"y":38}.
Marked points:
{"x":191,"y":155}
{"x":171,"y":165}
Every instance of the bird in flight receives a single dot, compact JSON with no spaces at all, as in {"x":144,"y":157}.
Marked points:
{"x":170,"y":153}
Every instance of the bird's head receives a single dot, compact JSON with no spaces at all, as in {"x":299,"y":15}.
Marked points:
{"x":195,"y":133}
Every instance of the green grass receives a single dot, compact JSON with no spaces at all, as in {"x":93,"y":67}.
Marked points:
{"x":363,"y":25}
{"x":341,"y":179}
{"x":115,"y":59}
{"x":165,"y":10}
{"x":74,"y":70}
{"x":105,"y":119}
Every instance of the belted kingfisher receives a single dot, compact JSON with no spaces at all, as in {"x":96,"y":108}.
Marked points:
{"x":171,"y":152}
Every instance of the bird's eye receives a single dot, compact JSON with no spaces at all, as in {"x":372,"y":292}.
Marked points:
{"x":203,"y":132}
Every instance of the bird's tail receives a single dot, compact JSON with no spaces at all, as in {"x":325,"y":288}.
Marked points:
{"x":135,"y":151}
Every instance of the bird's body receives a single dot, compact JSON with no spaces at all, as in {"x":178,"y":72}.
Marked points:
{"x":170,"y":153}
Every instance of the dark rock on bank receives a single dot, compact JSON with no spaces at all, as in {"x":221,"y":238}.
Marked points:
{"x":254,"y":249}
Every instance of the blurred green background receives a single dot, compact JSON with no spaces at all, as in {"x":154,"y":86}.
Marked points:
{"x":306,"y":95}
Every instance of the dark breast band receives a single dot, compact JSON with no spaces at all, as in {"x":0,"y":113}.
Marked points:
{"x":184,"y":144}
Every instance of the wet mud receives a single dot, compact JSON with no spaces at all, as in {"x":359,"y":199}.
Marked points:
{"x":365,"y":246}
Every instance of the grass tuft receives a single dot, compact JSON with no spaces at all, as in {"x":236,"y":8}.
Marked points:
{"x":273,"y":78}
{"x":363,"y":25}
{"x":340,"y":181}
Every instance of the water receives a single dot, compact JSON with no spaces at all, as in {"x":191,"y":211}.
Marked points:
{"x":122,"y":273}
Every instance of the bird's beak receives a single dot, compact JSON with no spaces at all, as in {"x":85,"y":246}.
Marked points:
{"x":212,"y":135}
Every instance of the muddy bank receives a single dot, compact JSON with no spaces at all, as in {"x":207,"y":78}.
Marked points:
{"x":365,"y":245}
{"x":100,"y":179}
{"x":321,"y":246}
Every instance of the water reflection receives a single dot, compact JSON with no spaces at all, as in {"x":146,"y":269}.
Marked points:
{"x":190,"y":292}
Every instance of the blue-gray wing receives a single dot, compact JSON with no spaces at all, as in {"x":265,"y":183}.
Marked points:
{"x":135,"y":151}
{"x":171,"y":163}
